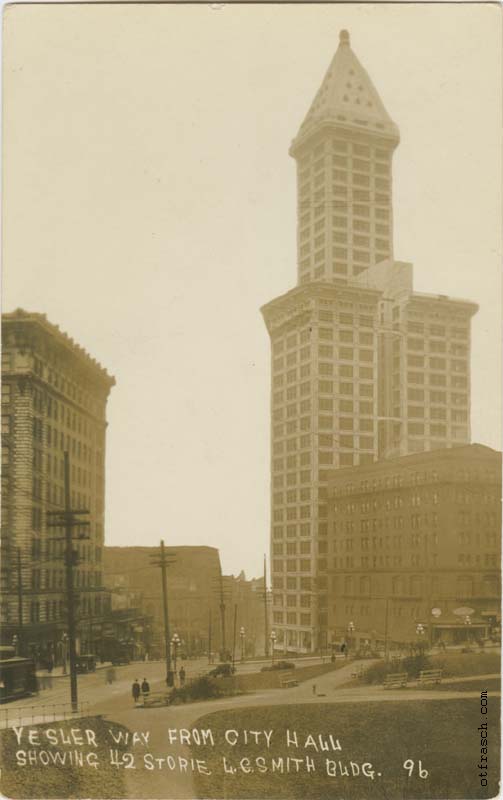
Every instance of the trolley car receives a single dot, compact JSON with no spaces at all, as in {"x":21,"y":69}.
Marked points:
{"x":17,"y":678}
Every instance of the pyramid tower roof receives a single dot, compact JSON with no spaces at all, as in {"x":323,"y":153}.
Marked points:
{"x":347,"y":97}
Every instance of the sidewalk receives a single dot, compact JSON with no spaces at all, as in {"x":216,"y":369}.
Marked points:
{"x":44,"y":677}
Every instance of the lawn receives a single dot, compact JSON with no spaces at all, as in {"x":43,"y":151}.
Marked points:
{"x":253,"y":681}
{"x":442,"y":735}
{"x":61,"y":781}
{"x":458,"y":664}
{"x":468,"y":685}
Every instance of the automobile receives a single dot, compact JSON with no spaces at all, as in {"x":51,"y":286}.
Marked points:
{"x":222,"y":671}
{"x":86,"y":663}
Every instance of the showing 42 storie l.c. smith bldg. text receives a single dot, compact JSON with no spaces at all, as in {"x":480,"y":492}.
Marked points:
{"x":365,"y":372}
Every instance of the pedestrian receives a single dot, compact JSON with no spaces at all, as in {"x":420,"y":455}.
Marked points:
{"x":344,"y":649}
{"x":181,"y":675}
{"x":135,"y":690}
{"x":145,"y":689}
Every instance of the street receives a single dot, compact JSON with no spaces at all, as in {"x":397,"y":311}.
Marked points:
{"x":94,"y":689}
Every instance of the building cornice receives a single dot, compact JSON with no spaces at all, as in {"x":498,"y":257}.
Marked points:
{"x":38,"y":324}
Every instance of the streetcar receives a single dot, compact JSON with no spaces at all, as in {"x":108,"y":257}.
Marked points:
{"x":17,"y":678}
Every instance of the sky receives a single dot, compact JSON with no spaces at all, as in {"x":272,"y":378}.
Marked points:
{"x":149,"y":211}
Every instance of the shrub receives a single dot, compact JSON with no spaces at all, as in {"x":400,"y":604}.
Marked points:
{"x":279,"y":665}
{"x":201,"y":689}
{"x":412,"y":665}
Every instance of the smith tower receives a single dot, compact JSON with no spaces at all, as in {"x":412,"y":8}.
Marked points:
{"x":343,"y":152}
{"x":363,"y":367}
{"x":324,"y":336}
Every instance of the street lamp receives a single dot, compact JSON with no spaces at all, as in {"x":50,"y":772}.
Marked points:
{"x":15,"y":644}
{"x":175,"y":641}
{"x":64,"y":643}
{"x":273,"y":642}
{"x":242,"y":637}
{"x":468,"y":622}
{"x":420,"y":632}
{"x":351,"y":630}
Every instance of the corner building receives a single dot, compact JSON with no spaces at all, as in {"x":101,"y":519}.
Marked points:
{"x":413,"y":535}
{"x":54,"y":399}
{"x":352,"y":344}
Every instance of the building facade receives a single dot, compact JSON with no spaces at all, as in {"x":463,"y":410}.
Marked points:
{"x":363,"y":367}
{"x":196,"y":593}
{"x":54,"y":398}
{"x":414,"y":535}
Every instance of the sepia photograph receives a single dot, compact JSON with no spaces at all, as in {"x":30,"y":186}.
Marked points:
{"x":251,"y":401}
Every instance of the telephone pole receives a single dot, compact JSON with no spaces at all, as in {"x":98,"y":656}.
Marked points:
{"x":164,"y":562}
{"x":209,"y":637}
{"x":19,"y":602}
{"x":68,"y":519}
{"x":266,"y":617}
{"x":234,"y":636}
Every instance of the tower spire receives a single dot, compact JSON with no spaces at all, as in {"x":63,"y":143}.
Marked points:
{"x":347,"y":97}
{"x":343,"y":152}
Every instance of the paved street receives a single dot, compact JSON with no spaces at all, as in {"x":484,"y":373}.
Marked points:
{"x":93,"y":688}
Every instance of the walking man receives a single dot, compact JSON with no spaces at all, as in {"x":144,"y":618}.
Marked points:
{"x":181,"y":675}
{"x":145,"y":689}
{"x":135,"y":690}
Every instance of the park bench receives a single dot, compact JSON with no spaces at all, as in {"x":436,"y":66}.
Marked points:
{"x":288,"y":680}
{"x":430,"y":676}
{"x":161,"y":698}
{"x":395,"y":680}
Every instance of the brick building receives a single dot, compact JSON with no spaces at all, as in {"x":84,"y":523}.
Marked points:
{"x":193,"y":580}
{"x":54,"y":398}
{"x":412,"y":534}
{"x":362,"y":366}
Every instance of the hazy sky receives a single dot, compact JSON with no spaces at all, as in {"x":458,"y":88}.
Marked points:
{"x":149,"y":210}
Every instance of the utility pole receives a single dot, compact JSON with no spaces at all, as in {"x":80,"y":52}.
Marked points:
{"x":234,"y":636}
{"x":386,"y":630}
{"x":19,"y":602}
{"x":68,"y":519}
{"x":222,"y":591}
{"x":209,"y":637}
{"x":163,"y":563}
{"x":222,"y":616}
{"x":90,"y":645}
{"x":266,"y":619}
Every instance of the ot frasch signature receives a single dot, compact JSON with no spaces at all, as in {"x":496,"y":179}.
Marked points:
{"x":310,"y":753}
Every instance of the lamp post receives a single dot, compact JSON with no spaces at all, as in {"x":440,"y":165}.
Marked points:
{"x":242,"y":637}
{"x":273,"y":642}
{"x":15,"y":644}
{"x":420,"y":632}
{"x":64,"y":646}
{"x":468,"y":622}
{"x":351,"y":630}
{"x":175,"y":641}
